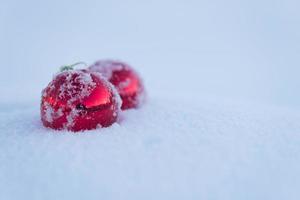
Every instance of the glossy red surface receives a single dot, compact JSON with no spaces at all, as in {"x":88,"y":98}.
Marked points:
{"x":78,"y":100}
{"x":127,"y":82}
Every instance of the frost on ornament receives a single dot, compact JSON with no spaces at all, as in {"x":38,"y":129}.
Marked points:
{"x":78,"y":100}
{"x":126,"y":80}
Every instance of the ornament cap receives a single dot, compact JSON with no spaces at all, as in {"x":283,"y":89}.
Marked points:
{"x":71,"y":67}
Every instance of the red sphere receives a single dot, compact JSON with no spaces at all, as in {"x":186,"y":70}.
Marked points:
{"x":78,"y":100}
{"x":125,"y":79}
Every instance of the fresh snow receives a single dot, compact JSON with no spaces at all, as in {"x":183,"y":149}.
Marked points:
{"x":166,"y":150}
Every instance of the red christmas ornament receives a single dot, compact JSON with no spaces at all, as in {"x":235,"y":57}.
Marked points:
{"x":125,"y":79}
{"x":78,"y":100}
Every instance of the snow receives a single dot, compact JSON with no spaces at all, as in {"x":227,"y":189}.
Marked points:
{"x":166,"y":150}
{"x":68,"y":87}
{"x":221,"y":119}
{"x":106,"y":67}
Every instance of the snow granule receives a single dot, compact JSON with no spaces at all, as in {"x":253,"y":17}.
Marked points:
{"x":106,"y":67}
{"x":67,"y":88}
{"x":49,"y":112}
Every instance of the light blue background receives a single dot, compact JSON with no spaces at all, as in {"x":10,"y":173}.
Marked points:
{"x":246,"y":50}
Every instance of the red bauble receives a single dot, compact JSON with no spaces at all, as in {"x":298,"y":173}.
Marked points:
{"x":78,"y":100}
{"x":125,"y":79}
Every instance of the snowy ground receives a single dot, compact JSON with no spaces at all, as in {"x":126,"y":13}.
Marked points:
{"x":167,"y":150}
{"x":222,"y":120}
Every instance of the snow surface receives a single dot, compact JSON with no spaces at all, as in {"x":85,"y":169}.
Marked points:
{"x":167,"y":150}
{"x":222,"y":119}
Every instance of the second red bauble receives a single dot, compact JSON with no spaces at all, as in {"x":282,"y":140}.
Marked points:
{"x":126,"y":80}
